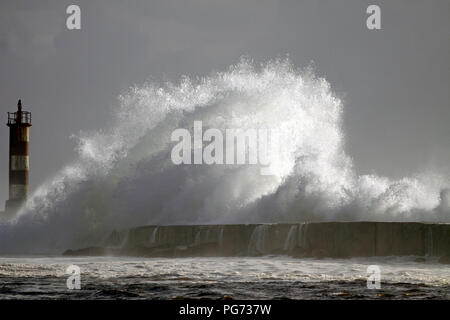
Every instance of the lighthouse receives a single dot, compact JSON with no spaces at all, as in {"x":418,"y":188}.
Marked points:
{"x":19,"y":124}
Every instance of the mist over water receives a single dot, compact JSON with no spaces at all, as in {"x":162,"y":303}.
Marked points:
{"x":124,"y":176}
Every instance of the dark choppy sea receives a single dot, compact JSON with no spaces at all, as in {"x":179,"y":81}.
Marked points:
{"x":271,"y":277}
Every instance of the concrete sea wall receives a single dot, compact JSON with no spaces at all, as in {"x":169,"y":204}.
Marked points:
{"x":320,"y":239}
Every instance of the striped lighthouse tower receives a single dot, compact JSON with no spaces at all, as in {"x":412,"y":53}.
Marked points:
{"x":19,"y":124}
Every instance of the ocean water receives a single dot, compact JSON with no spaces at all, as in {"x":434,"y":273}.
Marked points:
{"x":270,"y":277}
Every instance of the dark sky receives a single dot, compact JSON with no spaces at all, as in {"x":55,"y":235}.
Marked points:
{"x":395,"y":82}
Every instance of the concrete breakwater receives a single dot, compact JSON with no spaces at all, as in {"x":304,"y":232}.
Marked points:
{"x":318,"y":239}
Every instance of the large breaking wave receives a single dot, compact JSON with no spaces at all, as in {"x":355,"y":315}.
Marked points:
{"x":124,"y":175}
